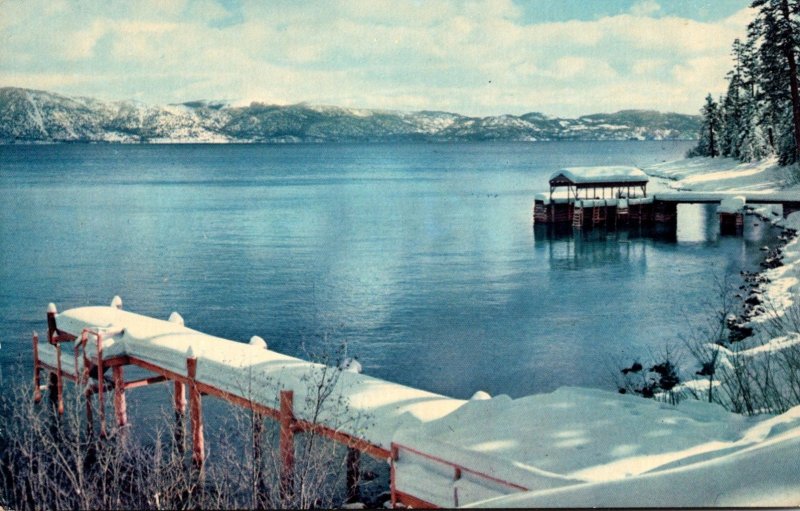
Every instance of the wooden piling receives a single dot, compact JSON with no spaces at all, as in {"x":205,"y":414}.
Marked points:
{"x":37,"y":391}
{"x":120,"y":405}
{"x":287,"y":443}
{"x":196,"y":412}
{"x":352,"y":468}
{"x":393,"y":458}
{"x":52,"y":390}
{"x":59,"y":382}
{"x":731,"y":223}
{"x":259,"y":481}
{"x":101,"y":403}
{"x":52,"y":330}
{"x":179,"y":403}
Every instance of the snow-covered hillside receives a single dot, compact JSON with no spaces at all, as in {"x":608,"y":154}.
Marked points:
{"x":36,"y":116}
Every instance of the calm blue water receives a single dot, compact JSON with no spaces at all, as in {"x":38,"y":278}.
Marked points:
{"x":421,"y":257}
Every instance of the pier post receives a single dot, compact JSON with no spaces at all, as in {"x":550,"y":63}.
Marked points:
{"x":352,"y":465}
{"x":37,"y":392}
{"x":101,"y":383}
{"x":789,"y":208}
{"x":120,"y":405}
{"x":52,"y":390}
{"x":51,"y":322}
{"x":59,"y":382}
{"x":196,"y":412}
{"x":258,"y":454}
{"x":179,"y":402}
{"x":665,"y":212}
{"x":395,"y":452}
{"x":287,"y":443}
{"x":731,"y":223}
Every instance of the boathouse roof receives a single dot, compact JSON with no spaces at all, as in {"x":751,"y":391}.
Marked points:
{"x":595,"y":176}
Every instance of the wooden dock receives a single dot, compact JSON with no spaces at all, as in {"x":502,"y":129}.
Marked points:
{"x":617,"y":196}
{"x":85,"y":343}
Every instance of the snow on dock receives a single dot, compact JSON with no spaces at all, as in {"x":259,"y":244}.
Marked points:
{"x":568,"y":447}
{"x":758,"y":197}
{"x":376,"y":407}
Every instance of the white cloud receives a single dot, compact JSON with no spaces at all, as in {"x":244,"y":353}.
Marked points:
{"x":372,"y":53}
{"x":645,"y":8}
{"x":648,"y":66}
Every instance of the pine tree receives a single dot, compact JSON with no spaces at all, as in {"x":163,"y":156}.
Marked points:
{"x":732,"y":109}
{"x":708,"y":145}
{"x":777,"y":27}
{"x":741,"y":135}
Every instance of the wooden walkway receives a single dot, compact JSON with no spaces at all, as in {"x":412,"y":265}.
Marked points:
{"x":789,"y":200}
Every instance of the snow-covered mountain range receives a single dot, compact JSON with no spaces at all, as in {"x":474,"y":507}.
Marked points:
{"x":36,"y":116}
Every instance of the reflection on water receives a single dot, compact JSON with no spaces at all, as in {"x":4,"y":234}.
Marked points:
{"x":568,"y":249}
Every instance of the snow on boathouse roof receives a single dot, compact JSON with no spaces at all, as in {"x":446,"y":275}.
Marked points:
{"x":599,"y":175}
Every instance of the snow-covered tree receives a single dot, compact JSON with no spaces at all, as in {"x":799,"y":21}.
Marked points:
{"x":708,"y":145}
{"x":776,"y":26}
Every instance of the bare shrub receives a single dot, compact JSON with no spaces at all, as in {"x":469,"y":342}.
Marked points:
{"x":52,"y":461}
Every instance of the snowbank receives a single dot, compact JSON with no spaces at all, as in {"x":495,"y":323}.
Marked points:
{"x":762,"y":474}
{"x":574,"y":446}
{"x":721,"y":174}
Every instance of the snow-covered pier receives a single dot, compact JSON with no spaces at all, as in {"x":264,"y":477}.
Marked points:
{"x":611,"y":196}
{"x":443,"y":452}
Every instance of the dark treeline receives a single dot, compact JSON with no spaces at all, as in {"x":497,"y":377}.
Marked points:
{"x":759,"y":115}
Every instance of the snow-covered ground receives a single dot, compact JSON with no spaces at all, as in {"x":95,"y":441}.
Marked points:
{"x":723,"y":174}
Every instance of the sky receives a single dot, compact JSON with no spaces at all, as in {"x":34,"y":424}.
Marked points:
{"x":474,"y":57}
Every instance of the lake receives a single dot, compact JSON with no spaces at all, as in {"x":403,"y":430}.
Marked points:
{"x":421,"y":258}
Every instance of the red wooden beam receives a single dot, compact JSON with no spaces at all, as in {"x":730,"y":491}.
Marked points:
{"x":135,"y":384}
{"x":238,"y":400}
{"x":170,"y":375}
{"x":459,"y":467}
{"x":412,"y":501}
{"x":54,"y":369}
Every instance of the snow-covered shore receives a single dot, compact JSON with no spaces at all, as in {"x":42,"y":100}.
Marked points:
{"x":630,"y":453}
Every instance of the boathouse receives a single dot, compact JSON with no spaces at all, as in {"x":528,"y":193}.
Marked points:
{"x":595,"y":195}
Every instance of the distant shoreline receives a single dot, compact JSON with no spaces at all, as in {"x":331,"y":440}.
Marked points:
{"x":324,"y":142}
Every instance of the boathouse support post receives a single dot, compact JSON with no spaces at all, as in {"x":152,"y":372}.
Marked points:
{"x":196,"y":412}
{"x":120,"y":405}
{"x":37,"y":391}
{"x":179,"y":402}
{"x":287,"y":443}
